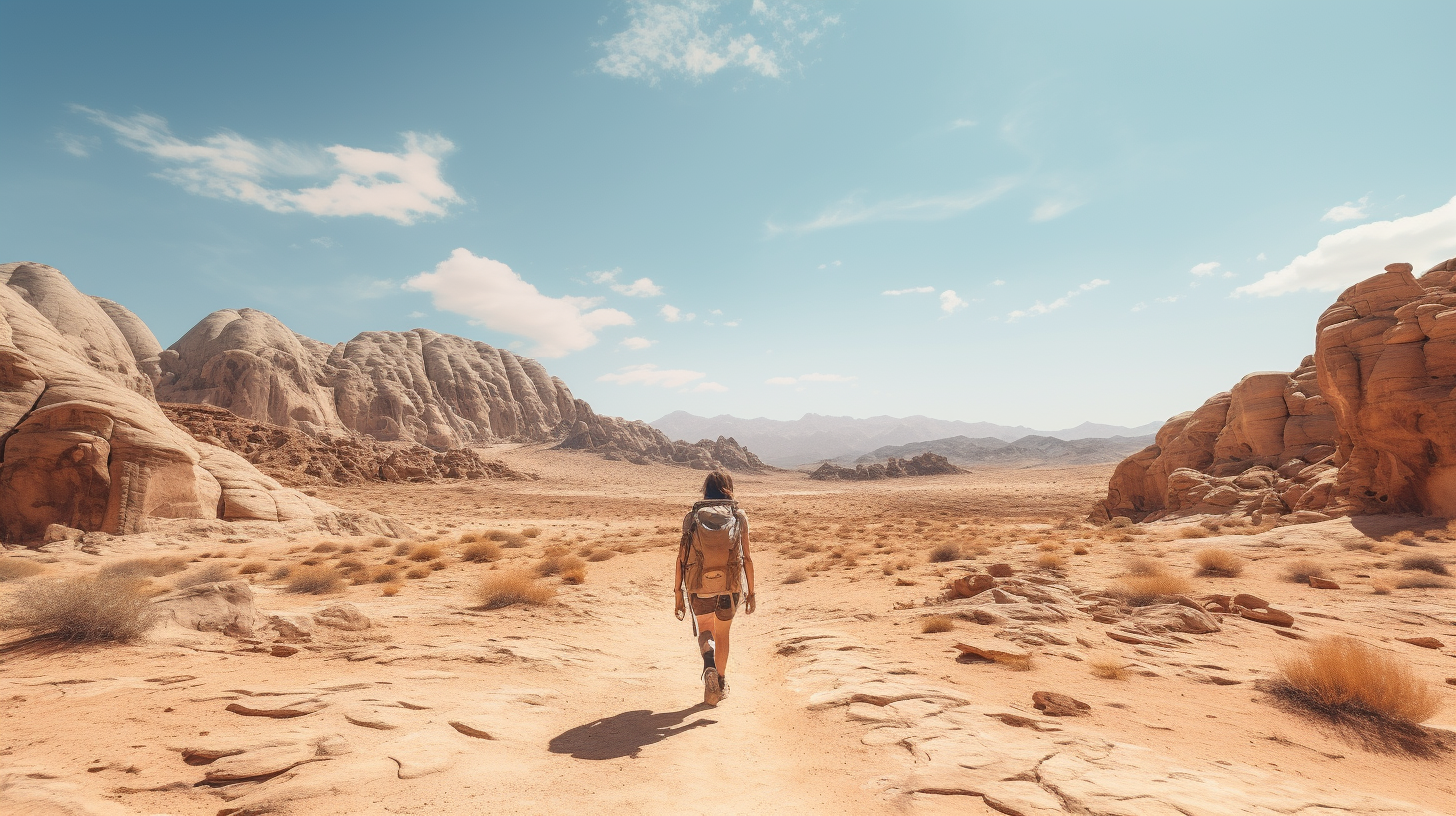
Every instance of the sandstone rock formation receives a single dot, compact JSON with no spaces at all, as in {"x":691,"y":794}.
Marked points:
{"x":297,"y":459}
{"x":84,"y":443}
{"x":926,"y":464}
{"x":1366,"y":424}
{"x":437,"y":390}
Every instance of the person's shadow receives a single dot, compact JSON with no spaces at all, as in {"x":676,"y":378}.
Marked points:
{"x":625,"y":734}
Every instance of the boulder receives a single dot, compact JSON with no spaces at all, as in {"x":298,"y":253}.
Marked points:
{"x":225,"y":606}
{"x":344,"y":616}
{"x":1273,"y":617}
{"x":992,"y":649}
{"x":1322,"y":583}
{"x":1000,"y":570}
{"x":1053,"y":704}
{"x":925,"y":464}
{"x":1248,"y":601}
{"x":971,"y":585}
{"x":1426,"y":642}
{"x":1176,"y":618}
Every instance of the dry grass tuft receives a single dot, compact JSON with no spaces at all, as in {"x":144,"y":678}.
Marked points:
{"x":1380,"y":587}
{"x":253,"y":568}
{"x":1428,"y":563}
{"x":1050,"y":561}
{"x":1219,"y":563}
{"x":601,"y":555}
{"x":531,"y":532}
{"x":1107,"y":666}
{"x":942,"y":553}
{"x":390,"y":590}
{"x":145,"y":567}
{"x":210,"y":574}
{"x":1143,"y":566}
{"x":797,"y":576}
{"x":573,"y":570}
{"x":15,"y":568}
{"x":502,"y":589}
{"x":90,"y":608}
{"x":1299,"y":571}
{"x":325,"y":547}
{"x":1080,"y":549}
{"x":481,"y":551}
{"x":1422,"y":582}
{"x":1141,"y":590}
{"x":318,"y":580}
{"x":385,"y":574}
{"x":937,"y":623}
{"x":416,"y":573}
{"x":1343,"y":675}
{"x":509,"y":540}
{"x":1194,"y":531}
{"x":426,"y":552}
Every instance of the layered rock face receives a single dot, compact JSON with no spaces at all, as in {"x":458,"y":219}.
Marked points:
{"x":926,"y":464}
{"x":84,"y":443}
{"x":1366,"y":424}
{"x":437,"y":390}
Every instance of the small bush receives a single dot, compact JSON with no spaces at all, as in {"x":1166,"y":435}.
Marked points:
{"x":1300,"y":570}
{"x":436,"y":566}
{"x":1050,"y":561}
{"x":379,"y":542}
{"x":531,"y":532}
{"x":403,"y":548}
{"x":1380,"y":587}
{"x":349,"y":564}
{"x":1194,"y":531}
{"x":210,"y":574}
{"x":942,"y":553}
{"x":325,"y":547}
{"x":1219,"y":563}
{"x":417,"y":572}
{"x":426,"y":552}
{"x":1080,"y":549}
{"x":797,"y":576}
{"x":15,"y":568}
{"x":508,"y":540}
{"x":1421,"y":582}
{"x":385,"y":574}
{"x":253,"y":568}
{"x":1143,"y":566}
{"x":89,"y":608}
{"x":145,"y":567}
{"x":1341,"y":674}
{"x":601,"y":555}
{"x":1119,"y":522}
{"x":573,"y":570}
{"x":317,"y":580}
{"x":937,"y":623}
{"x":348,"y":548}
{"x":1428,"y":563}
{"x":481,"y":551}
{"x":1107,"y":666}
{"x":389,"y":590}
{"x":502,"y":589}
{"x":1141,"y":590}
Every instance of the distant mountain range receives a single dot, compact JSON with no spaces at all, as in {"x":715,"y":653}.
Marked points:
{"x":1028,"y":451}
{"x":817,"y":438}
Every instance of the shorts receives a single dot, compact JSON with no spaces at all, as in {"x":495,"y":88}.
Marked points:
{"x":723,"y":605}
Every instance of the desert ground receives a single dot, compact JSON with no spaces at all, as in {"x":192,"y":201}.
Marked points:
{"x":842,"y":701}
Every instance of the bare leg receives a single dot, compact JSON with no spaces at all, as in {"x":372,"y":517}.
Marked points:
{"x":705,"y":633}
{"x":720,"y":644}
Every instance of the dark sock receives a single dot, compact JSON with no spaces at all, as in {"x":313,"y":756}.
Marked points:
{"x":708,"y":659}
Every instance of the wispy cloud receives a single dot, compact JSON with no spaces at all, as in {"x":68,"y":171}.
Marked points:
{"x":998,"y":282}
{"x":673,"y":314}
{"x":401,"y":186}
{"x":1356,"y":253}
{"x":490,"y":294}
{"x":642,"y":287}
{"x":692,"y":40}
{"x":1203,"y":270}
{"x":928,"y":208}
{"x":1040,"y":308}
{"x":957,"y":124}
{"x":637,"y":343}
{"x":1054,"y":208}
{"x":918,"y":290}
{"x":827,"y":265}
{"x":650,"y":374}
{"x":807,"y":378}
{"x":950,"y":302}
{"x":1349,"y":211}
{"x":78,"y":146}
{"x":710,"y":386}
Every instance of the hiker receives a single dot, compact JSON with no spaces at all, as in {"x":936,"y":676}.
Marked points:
{"x":713,"y":570}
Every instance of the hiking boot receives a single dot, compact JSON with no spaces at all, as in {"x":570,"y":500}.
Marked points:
{"x":722,"y":689}
{"x":712,"y":692}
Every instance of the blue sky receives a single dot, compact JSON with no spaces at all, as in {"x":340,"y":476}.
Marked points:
{"x":1099,"y":212}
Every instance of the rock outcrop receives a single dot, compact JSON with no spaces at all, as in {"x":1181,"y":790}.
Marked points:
{"x":437,"y":390}
{"x":926,"y":464}
{"x":85,"y":444}
{"x":1365,"y":425}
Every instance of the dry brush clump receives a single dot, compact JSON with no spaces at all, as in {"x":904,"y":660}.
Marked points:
{"x":426,"y":552}
{"x":501,"y":589}
{"x":601,"y":555}
{"x":1425,"y":563}
{"x":1147,"y":581}
{"x":482,"y":551}
{"x":796,"y":576}
{"x":155,"y":567}
{"x":1300,"y":571}
{"x":1219,"y":563}
{"x":1050,"y":561}
{"x":1107,"y":667}
{"x":1341,"y":675}
{"x":937,"y":623}
{"x":941,"y":553}
{"x":315,"y":580}
{"x":96,"y":607}
{"x":210,"y":574}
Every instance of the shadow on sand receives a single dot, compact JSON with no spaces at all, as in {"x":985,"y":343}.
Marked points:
{"x":625,"y":734}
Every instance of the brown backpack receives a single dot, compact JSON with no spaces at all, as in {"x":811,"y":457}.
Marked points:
{"x":714,"y":555}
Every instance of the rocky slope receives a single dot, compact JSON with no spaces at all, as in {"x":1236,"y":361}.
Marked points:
{"x":85,"y":444}
{"x":926,"y":464}
{"x":437,"y":390}
{"x":1028,"y":451}
{"x":1365,"y":425}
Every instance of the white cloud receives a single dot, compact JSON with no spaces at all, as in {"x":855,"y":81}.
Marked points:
{"x":1054,"y":208}
{"x":649,"y":374}
{"x":686,"y":38}
{"x":642,"y":287}
{"x":399,"y":186}
{"x":1170,"y":299}
{"x":1139,"y":306}
{"x":609,"y":276}
{"x":1040,"y":308}
{"x":803,"y":378}
{"x":492,"y":295}
{"x":1204,"y":269}
{"x":826,"y":266}
{"x":637,"y":343}
{"x":1349,"y":211}
{"x":1261,"y":257}
{"x":928,"y":208}
{"x":733,"y":323}
{"x":325,"y":242}
{"x":949,"y":302}
{"x":1356,"y":253}
{"x":673,"y":314}
{"x":962,"y":123}
{"x":416,"y":314}
{"x":78,"y":146}
{"x":918,"y":290}
{"x":998,"y":282}
{"x":710,"y":386}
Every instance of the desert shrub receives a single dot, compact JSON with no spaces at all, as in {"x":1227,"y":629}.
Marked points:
{"x":349,"y":564}
{"x":252,"y":568}
{"x":1341,"y":674}
{"x":531,"y":532}
{"x":1107,"y":666}
{"x":436,"y":566}
{"x":573,"y":570}
{"x":941,"y":553}
{"x":1220,"y":563}
{"x":797,"y":576}
{"x":1119,"y":522}
{"x":937,"y":623}
{"x":389,"y":590}
{"x":385,"y":574}
{"x":313,"y":560}
{"x":97,"y":607}
{"x":325,"y":547}
{"x":471,"y":535}
{"x":155,"y":567}
{"x":1194,"y":531}
{"x":555,"y":551}
{"x":1143,"y":566}
{"x":481,"y":551}
{"x":417,"y":572}
{"x":601,"y":555}
{"x":1428,"y":563}
{"x":379,"y":542}
{"x":1380,"y":587}
{"x":1048,"y":546}
{"x":1300,"y":570}
{"x":1421,"y":582}
{"x":426,"y":552}
{"x":348,"y":548}
{"x":14,"y":568}
{"x":403,"y":548}
{"x":1141,"y":590}
{"x":506,"y":539}
{"x":280,"y":572}
{"x":1080,"y":549}
{"x":1050,"y":561}
{"x":315,"y":580}
{"x":502,"y":589}
{"x":210,"y":574}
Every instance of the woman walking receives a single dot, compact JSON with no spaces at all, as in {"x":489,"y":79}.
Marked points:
{"x":713,"y":570}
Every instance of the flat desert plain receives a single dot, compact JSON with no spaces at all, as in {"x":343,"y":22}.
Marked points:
{"x":849,"y":694}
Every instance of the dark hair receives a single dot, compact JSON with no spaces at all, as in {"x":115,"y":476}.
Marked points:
{"x":718,"y":485}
